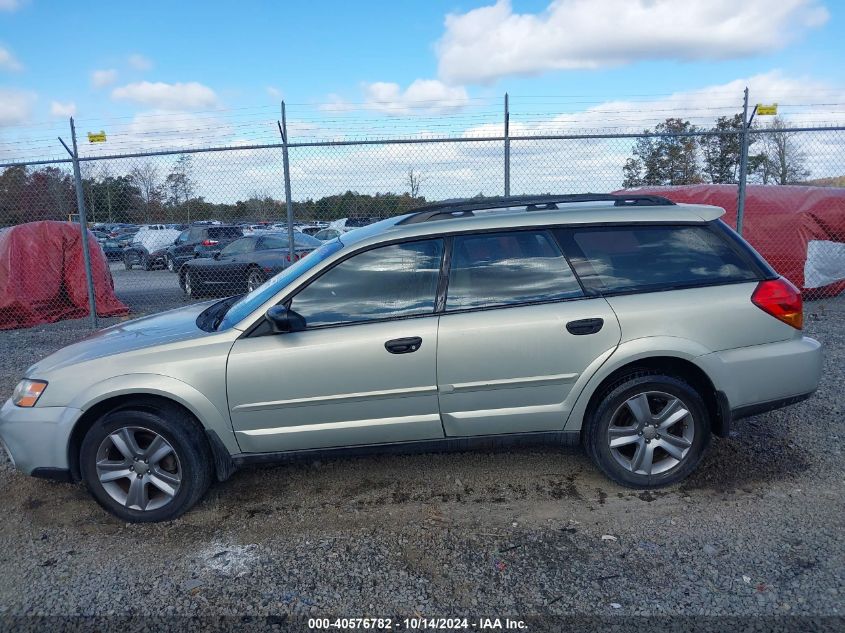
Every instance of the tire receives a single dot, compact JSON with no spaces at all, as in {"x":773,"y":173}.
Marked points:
{"x":127,"y":262}
{"x":171,"y":265}
{"x":640,"y":409}
{"x":189,"y":285}
{"x":145,"y":262}
{"x":169,"y":486}
{"x":254,"y":279}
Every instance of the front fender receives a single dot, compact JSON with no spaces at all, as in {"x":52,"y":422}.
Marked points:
{"x":629,"y":352}
{"x":192,"y":399}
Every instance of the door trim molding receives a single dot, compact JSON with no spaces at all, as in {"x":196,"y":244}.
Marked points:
{"x":339,"y":398}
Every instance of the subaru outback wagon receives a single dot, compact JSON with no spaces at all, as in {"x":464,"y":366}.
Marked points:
{"x":633,"y":325}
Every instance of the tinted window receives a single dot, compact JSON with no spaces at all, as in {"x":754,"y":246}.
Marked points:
{"x":224,"y":232}
{"x":243,"y":245}
{"x":300,"y":240}
{"x":654,"y":257}
{"x":508,"y":268}
{"x":387,"y":282}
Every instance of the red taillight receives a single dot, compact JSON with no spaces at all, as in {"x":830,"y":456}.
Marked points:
{"x":781,"y":299}
{"x":209,"y":242}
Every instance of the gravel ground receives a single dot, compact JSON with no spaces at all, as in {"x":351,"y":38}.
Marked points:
{"x":758,"y":530}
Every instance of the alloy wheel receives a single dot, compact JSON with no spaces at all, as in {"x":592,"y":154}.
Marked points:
{"x":138,"y":468}
{"x":254,"y":280}
{"x":651,"y":433}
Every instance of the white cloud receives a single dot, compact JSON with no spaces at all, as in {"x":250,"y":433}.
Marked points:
{"x":274,"y":92}
{"x":10,"y":5}
{"x":57,"y":108}
{"x":103,"y":78}
{"x":491,"y":42}
{"x":15,"y":106}
{"x":139,"y":62}
{"x":177,"y":96}
{"x":422,"y":95}
{"x":8,"y":61}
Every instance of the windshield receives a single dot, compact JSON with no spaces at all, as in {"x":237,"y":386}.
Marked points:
{"x":250,"y":302}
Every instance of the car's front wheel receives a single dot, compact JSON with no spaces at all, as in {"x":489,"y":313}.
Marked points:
{"x":171,"y":264}
{"x":144,"y":465}
{"x":190,"y":285}
{"x":648,"y":430}
{"x":127,"y":261}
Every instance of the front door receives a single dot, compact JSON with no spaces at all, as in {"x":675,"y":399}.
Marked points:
{"x":363,"y":371}
{"x":516,"y":335}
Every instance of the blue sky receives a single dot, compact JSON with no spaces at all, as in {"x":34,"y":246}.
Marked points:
{"x":159,"y":74}
{"x":309,"y":51}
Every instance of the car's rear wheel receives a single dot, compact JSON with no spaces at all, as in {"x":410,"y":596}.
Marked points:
{"x":254,"y":279}
{"x":648,"y":430}
{"x":171,"y":264}
{"x":144,"y":465}
{"x":146,"y":264}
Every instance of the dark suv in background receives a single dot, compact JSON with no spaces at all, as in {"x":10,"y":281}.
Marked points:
{"x":200,"y":241}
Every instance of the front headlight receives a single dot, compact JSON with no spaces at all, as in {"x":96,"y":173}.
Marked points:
{"x":27,"y":392}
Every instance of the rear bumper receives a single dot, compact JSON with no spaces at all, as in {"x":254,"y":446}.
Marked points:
{"x":37,"y":438}
{"x":764,"y":377}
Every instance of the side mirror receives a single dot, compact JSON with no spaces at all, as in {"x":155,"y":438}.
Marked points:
{"x":176,"y":242}
{"x":283,"y":320}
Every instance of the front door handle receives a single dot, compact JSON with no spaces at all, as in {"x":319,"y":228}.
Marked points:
{"x":584,"y":326}
{"x":403,"y":345}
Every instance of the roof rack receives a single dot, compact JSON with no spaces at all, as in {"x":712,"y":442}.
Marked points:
{"x":465,"y":207}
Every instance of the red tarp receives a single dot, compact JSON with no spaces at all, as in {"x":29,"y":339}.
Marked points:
{"x":42,"y":275}
{"x":782,"y":222}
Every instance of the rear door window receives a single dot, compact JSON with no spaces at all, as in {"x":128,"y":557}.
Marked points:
{"x":641,"y":258}
{"x":501,"y":269}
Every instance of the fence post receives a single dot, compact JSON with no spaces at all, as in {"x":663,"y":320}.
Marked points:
{"x":83,"y":224}
{"x":743,"y":165}
{"x":507,"y":149}
{"x":288,"y":203}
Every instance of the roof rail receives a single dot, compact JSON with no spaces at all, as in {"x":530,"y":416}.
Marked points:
{"x":465,"y":207}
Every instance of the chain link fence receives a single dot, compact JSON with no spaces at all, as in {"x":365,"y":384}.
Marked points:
{"x":168,"y":228}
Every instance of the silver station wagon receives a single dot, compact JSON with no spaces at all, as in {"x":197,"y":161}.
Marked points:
{"x":630,"y":324}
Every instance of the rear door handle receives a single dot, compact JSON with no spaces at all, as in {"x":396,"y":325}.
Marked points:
{"x":403,"y":345}
{"x":585,"y":326}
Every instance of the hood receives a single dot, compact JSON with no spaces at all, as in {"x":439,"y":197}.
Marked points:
{"x":158,"y":329}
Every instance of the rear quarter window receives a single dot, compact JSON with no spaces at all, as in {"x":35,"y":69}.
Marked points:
{"x":632,"y":258}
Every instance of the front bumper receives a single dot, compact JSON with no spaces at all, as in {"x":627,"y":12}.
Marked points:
{"x":37,"y":437}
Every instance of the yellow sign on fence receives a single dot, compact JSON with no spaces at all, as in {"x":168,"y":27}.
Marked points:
{"x":97,"y":137}
{"x":767,"y":110}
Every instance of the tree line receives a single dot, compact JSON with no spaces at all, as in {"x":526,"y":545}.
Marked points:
{"x":145,"y":196}
{"x":674,"y":155}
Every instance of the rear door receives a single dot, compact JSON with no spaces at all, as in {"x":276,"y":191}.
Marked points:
{"x":516,"y":334}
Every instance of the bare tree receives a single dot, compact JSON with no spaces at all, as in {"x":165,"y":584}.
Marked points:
{"x":415,"y":179}
{"x":781,"y":161}
{"x":145,"y":177}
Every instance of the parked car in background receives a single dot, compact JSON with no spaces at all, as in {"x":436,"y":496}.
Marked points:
{"x":326,"y":235}
{"x":244,"y":264}
{"x":200,"y":240}
{"x":148,"y":249}
{"x":112,"y":249}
